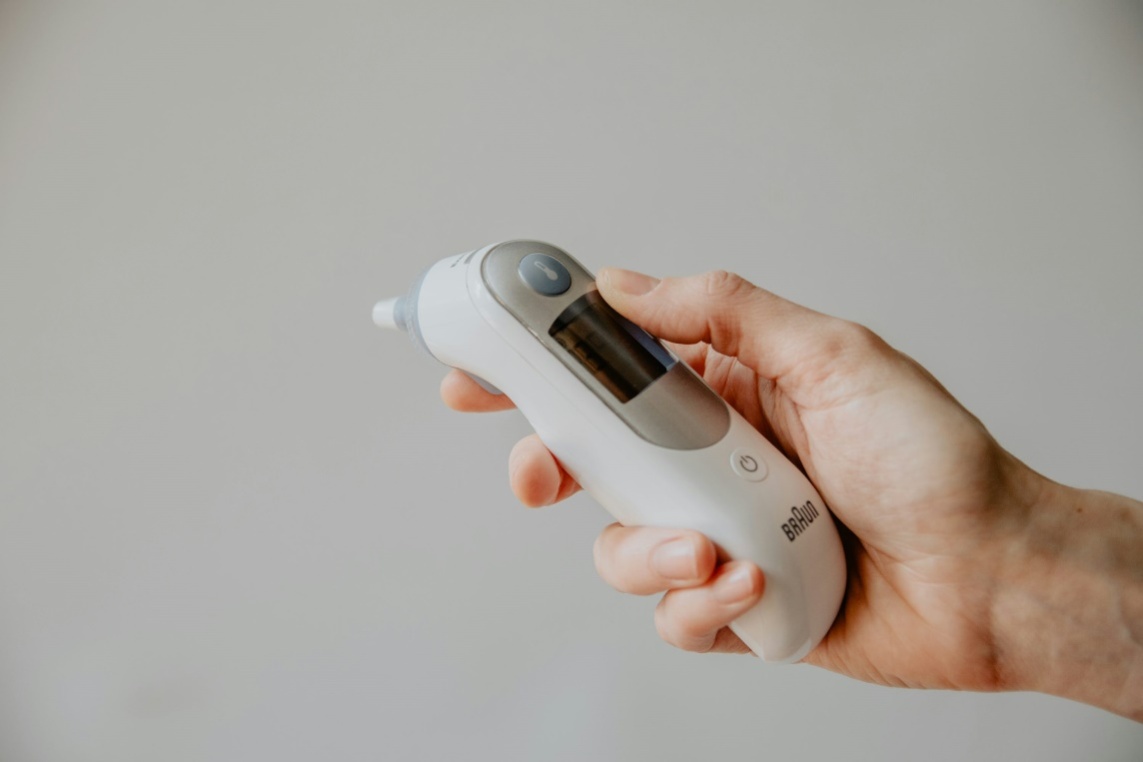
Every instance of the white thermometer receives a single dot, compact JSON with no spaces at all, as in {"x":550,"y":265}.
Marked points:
{"x":637,"y":428}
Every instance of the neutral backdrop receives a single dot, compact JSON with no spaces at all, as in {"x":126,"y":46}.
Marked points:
{"x":236,"y":523}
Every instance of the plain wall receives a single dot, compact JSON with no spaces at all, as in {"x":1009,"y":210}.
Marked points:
{"x":235,"y":521}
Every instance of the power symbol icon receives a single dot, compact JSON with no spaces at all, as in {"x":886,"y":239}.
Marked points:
{"x":747,"y":464}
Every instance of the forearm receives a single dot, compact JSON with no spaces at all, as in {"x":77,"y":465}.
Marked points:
{"x":1068,"y":617}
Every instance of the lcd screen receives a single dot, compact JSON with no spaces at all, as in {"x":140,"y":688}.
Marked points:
{"x":619,"y":354}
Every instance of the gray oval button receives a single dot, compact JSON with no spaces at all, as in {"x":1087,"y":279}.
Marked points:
{"x":545,"y":274}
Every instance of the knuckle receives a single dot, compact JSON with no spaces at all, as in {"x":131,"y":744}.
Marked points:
{"x":848,"y":339}
{"x":723,"y":284}
{"x":861,"y":337}
{"x":725,"y":294}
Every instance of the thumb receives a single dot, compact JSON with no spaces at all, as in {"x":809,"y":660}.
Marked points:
{"x":785,"y":342}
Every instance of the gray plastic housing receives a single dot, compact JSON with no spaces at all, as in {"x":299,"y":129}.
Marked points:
{"x":677,"y":410}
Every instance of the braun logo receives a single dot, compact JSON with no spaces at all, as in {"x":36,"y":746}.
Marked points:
{"x":801,"y":516}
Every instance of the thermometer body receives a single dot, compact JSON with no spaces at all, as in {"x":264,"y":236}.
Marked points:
{"x":638,"y":429}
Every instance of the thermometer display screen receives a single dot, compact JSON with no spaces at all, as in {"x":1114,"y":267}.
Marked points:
{"x":619,"y":354}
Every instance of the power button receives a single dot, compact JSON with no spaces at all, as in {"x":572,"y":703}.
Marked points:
{"x":748,"y":464}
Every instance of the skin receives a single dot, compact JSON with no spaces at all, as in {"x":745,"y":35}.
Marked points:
{"x":967,"y":570}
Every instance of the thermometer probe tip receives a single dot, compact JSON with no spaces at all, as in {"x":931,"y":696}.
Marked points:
{"x":389,"y":313}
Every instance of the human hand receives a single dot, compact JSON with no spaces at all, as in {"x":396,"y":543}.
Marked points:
{"x":935,"y":514}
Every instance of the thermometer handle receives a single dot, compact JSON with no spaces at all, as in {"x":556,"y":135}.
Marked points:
{"x":751,"y":501}
{"x":643,"y":434}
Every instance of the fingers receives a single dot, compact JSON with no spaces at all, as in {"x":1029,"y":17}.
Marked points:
{"x":536,"y":476}
{"x":462,"y":393}
{"x":702,"y":599}
{"x":778,"y":339}
{"x":645,"y":560}
{"x":694,"y":619}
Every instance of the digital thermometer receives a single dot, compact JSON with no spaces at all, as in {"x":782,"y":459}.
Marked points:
{"x":636,"y":427}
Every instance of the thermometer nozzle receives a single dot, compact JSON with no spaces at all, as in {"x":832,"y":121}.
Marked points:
{"x":390,"y":313}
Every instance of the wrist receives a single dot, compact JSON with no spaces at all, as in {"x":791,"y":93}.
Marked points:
{"x":1067,"y":612}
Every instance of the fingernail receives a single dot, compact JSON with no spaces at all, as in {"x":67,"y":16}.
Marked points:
{"x":630,"y":282}
{"x":675,"y":559}
{"x":734,"y":585}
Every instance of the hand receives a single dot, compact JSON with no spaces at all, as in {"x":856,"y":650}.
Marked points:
{"x":935,"y":515}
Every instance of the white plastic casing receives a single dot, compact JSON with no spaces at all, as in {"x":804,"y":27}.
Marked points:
{"x":463,"y":325}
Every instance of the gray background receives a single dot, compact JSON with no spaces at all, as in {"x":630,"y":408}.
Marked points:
{"x":235,"y":523}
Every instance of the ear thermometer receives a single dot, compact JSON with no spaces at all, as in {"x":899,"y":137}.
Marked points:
{"x":636,"y":427}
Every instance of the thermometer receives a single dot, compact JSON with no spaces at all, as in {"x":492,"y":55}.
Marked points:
{"x":636,"y":427}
